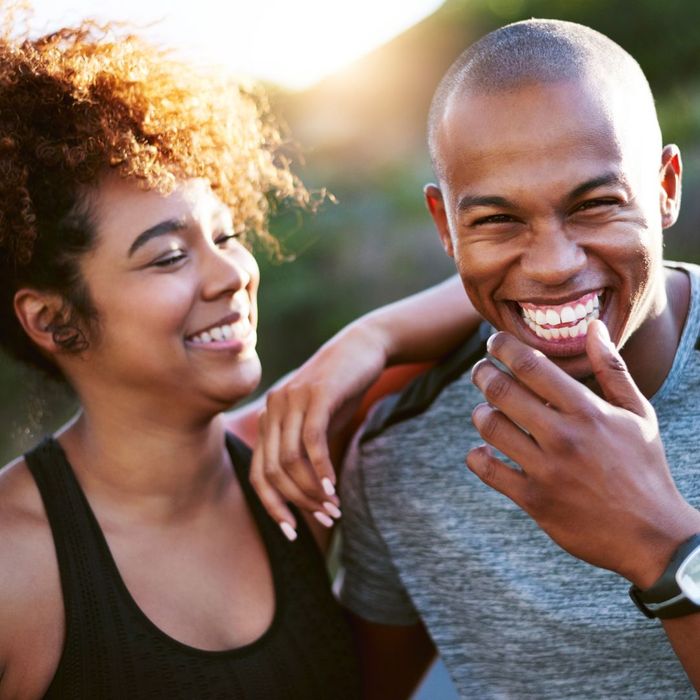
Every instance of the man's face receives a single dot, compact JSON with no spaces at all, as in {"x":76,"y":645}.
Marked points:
{"x":551,"y":210}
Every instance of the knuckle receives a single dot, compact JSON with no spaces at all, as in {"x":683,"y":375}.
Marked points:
{"x":289,"y":456}
{"x":312,"y":435}
{"x":615,"y":363}
{"x":489,"y":473}
{"x":589,"y":414}
{"x":271,"y":472}
{"x":489,"y":427}
{"x":566,"y":441}
{"x":497,"y":388}
{"x":532,"y":501}
{"x":526,"y":364}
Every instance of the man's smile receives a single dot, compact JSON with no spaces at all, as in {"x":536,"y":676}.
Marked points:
{"x":559,"y":329}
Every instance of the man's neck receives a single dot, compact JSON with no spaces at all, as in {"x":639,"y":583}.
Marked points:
{"x":651,"y":350}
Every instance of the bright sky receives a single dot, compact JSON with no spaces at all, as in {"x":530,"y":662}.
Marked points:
{"x":291,"y":42}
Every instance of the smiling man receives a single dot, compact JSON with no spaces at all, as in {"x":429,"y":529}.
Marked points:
{"x":553,"y":192}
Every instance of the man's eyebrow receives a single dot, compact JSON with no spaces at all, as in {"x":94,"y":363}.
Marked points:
{"x":160,"y":229}
{"x":469,"y":201}
{"x":600,"y":181}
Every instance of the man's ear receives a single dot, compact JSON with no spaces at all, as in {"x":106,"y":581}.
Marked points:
{"x":436,"y":207}
{"x":38,"y":313}
{"x":670,"y":180}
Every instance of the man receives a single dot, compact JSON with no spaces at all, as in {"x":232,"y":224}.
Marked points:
{"x":553,"y":191}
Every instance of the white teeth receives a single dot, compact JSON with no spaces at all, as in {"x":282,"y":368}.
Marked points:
{"x":589,"y":306}
{"x":558,"y":331}
{"x":224,"y":332}
{"x":580,"y":311}
{"x":540,"y":317}
{"x":596,"y":301}
{"x":553,"y":317}
{"x":568,"y":315}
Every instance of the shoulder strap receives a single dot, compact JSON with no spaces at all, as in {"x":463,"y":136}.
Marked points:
{"x":419,"y":395}
{"x":65,"y":510}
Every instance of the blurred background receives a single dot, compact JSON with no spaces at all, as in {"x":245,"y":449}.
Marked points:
{"x":358,"y":129}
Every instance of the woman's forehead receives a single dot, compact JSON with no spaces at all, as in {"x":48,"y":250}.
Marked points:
{"x":123,"y":209}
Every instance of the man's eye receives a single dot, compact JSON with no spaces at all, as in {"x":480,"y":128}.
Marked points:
{"x":494,"y":219}
{"x":596,"y":203}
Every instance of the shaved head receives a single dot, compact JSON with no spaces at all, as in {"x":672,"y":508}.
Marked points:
{"x":548,"y":51}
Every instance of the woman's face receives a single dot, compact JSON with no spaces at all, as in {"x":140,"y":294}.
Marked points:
{"x":175,"y":295}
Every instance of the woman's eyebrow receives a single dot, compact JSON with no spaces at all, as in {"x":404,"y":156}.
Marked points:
{"x":160,"y":229}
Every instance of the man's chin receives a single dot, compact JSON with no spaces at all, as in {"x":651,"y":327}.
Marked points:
{"x":578,"y":367}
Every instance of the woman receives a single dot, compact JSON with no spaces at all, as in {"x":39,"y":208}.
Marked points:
{"x":135,"y":560}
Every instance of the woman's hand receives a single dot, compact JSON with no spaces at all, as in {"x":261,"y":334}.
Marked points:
{"x":303,"y":413}
{"x":308,"y":417}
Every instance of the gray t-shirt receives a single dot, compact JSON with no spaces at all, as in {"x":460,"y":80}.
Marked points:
{"x":512,"y":614}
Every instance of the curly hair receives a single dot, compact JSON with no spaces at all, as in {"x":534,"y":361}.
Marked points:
{"x":82,"y":100}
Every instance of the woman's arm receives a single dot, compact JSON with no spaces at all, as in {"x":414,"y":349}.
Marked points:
{"x":309,"y":414}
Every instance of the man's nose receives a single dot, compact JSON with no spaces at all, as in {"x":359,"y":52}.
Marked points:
{"x":553,"y":256}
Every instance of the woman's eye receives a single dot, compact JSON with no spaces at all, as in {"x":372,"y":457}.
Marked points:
{"x":170,"y":259}
{"x":224,"y":238}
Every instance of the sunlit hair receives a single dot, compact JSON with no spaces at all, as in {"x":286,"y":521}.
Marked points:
{"x":82,"y":100}
{"x":543,"y":51}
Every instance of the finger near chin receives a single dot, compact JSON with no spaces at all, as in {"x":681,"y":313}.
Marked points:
{"x":536,"y":372}
{"x":516,"y":401}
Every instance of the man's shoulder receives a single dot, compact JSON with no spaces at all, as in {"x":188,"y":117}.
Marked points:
{"x":421,"y":395}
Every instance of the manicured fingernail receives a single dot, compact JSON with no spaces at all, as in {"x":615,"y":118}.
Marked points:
{"x":328,"y":486}
{"x":289,"y":532}
{"x":332,"y":509}
{"x":323,"y":519}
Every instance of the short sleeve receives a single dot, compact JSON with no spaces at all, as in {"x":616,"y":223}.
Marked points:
{"x":369,"y":584}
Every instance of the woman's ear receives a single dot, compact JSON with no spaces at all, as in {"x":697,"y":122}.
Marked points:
{"x":38,"y":313}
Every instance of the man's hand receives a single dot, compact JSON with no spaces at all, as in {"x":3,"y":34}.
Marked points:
{"x":593,"y":472}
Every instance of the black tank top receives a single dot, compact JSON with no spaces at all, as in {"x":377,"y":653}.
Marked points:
{"x":113,"y":651}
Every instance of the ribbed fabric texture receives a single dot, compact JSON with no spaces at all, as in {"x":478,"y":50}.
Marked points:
{"x":112,"y":651}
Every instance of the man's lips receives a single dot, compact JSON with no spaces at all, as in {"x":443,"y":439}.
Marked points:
{"x":559,"y":322}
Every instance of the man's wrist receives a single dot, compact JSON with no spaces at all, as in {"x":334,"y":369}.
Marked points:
{"x":656,"y":552}
{"x":677,"y":591}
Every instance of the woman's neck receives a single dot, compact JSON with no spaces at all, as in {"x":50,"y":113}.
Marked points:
{"x":156,"y":469}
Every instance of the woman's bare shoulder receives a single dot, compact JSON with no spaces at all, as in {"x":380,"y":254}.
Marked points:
{"x":30,"y":592}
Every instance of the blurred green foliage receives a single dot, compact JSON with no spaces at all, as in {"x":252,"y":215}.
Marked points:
{"x":362,"y":133}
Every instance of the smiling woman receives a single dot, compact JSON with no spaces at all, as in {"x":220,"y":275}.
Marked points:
{"x":129,"y":185}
